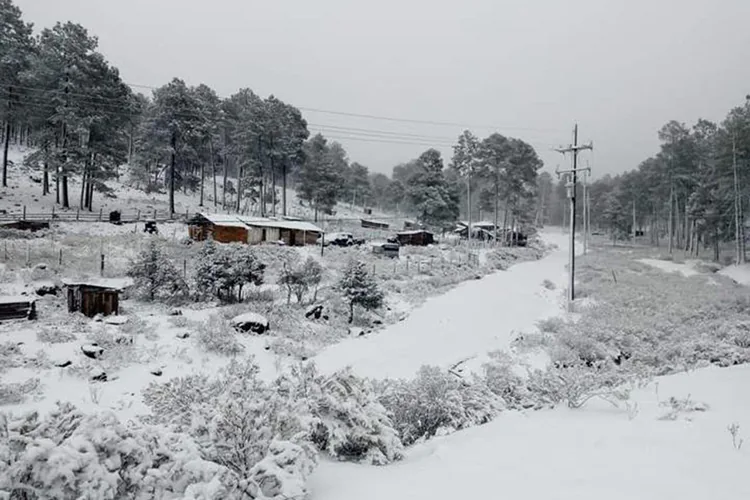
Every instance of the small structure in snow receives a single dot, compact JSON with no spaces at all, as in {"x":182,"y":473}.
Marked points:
{"x":386,"y":249}
{"x":116,"y":320}
{"x":239,"y":229}
{"x":17,"y":307}
{"x":221,"y":228}
{"x":420,"y":237}
{"x":250,"y":322}
{"x":95,"y":296}
{"x":374,"y":224}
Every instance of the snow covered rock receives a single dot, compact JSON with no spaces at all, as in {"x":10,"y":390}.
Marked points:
{"x":156,"y":372}
{"x":315,"y":311}
{"x":41,"y":266}
{"x":93,"y":351}
{"x":98,"y":375}
{"x":250,"y":322}
{"x":175,"y":312}
{"x":116,"y":320}
{"x":43,"y":288}
{"x":183,"y":335}
{"x":63,"y":364}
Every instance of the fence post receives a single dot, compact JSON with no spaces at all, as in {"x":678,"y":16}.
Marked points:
{"x":373,"y":270}
{"x":6,"y":251}
{"x":407,"y":264}
{"x":53,"y":211}
{"x":24,"y":212}
{"x":155,"y":215}
{"x":184,"y":269}
{"x":138,"y":217}
{"x":186,"y":214}
{"x":59,"y":259}
{"x":101,"y":265}
{"x":78,"y":212}
{"x":100,"y":214}
{"x":28,"y":255}
{"x":419,"y":267}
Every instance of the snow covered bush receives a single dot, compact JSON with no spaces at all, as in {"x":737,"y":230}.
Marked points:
{"x":154,"y":276}
{"x":16,"y":393}
{"x":359,"y":288}
{"x":54,"y":335}
{"x":222,"y":271}
{"x":437,"y":401}
{"x":343,"y":416}
{"x":501,"y":380}
{"x":216,"y":335}
{"x":69,"y":455}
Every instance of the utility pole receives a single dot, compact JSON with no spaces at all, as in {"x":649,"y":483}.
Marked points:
{"x":574,"y":148}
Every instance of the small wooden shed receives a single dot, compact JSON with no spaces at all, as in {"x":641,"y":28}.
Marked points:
{"x":94,"y":297}
{"x":374,"y":224}
{"x":222,"y":228}
{"x":17,"y":307}
{"x":419,"y":237}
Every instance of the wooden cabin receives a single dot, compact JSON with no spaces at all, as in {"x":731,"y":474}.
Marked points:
{"x":94,"y":297}
{"x":374,"y":224}
{"x":222,"y":228}
{"x":19,"y":307}
{"x":419,"y":237}
{"x":290,"y":232}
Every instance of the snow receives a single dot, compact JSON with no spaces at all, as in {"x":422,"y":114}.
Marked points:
{"x":223,"y":220}
{"x":685,"y":269}
{"x":467,"y":322}
{"x":283,"y":224}
{"x":738,"y":273}
{"x":113,"y":283}
{"x":15,"y":299}
{"x":588,"y":454}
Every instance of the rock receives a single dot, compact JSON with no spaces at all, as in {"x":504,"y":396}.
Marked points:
{"x":377,"y":322}
{"x":355,"y":331}
{"x":116,"y":320}
{"x":325,"y":317}
{"x":183,"y":335}
{"x":175,"y":312}
{"x":315,"y":311}
{"x":41,"y":266}
{"x":98,"y":375}
{"x":92,"y":351}
{"x":43,"y":289}
{"x":63,"y":364}
{"x":156,"y":371}
{"x":250,"y":322}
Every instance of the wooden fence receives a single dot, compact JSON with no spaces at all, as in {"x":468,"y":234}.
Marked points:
{"x":130,"y":216}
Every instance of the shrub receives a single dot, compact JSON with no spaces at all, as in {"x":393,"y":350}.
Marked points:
{"x":223,"y":271}
{"x":54,"y":335}
{"x":69,"y":455}
{"x":502,"y":381}
{"x":300,"y":278}
{"x":436,"y":401}
{"x":216,"y":335}
{"x":16,"y":393}
{"x":154,"y":276}
{"x":360,"y":288}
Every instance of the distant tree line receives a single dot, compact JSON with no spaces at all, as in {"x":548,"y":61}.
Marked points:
{"x":61,"y":97}
{"x":692,"y":194}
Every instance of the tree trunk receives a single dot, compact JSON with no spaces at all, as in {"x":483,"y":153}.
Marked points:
{"x":716,"y":243}
{"x":65,"y":202}
{"x":172,"y":162}
{"x":45,"y":181}
{"x":273,"y":186}
{"x":497,"y":202}
{"x":351,"y":311}
{"x":203,"y":176}
{"x":213,"y":168}
{"x":283,"y":182}
{"x":83,"y":203}
{"x":239,"y":186}
{"x":57,"y":185}
{"x":261,"y":192}
{"x":670,"y":223}
{"x":6,"y":142}
{"x":224,"y":189}
{"x":90,"y":197}
{"x":505,"y":222}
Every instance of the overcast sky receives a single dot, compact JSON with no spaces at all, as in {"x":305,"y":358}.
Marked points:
{"x":525,"y":68}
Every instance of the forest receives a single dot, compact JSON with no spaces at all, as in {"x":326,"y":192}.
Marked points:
{"x":65,"y":100}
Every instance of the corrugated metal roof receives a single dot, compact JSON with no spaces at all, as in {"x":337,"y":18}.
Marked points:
{"x":283,"y":224}
{"x":224,"y":220}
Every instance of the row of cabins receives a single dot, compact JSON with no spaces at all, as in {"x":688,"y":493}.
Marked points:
{"x":225,"y":228}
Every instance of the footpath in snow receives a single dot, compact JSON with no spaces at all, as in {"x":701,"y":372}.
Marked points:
{"x":470,"y":320}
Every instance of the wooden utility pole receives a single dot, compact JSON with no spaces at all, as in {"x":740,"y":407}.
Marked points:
{"x":574,"y":148}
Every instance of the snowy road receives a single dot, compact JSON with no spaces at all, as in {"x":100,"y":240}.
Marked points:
{"x":469,"y":320}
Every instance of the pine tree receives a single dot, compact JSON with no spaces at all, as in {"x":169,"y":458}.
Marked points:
{"x":432,"y":197}
{"x":359,"y":288}
{"x":155,"y":276}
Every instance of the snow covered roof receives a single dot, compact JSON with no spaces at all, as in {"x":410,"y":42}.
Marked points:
{"x":113,"y":283}
{"x":296,"y":225}
{"x":415,"y":231}
{"x":15,"y":299}
{"x":224,"y":220}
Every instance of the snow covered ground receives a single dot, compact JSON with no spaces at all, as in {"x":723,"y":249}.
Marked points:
{"x":740,"y":274}
{"x":589,"y":454}
{"x":687,"y":269}
{"x":463,"y":324}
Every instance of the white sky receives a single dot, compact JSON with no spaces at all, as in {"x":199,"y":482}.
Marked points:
{"x":532,"y":68}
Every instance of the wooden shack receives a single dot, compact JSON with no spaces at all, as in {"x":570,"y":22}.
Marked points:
{"x":94,"y":297}
{"x":222,"y":228}
{"x":290,"y":232}
{"x":19,"y":307}
{"x":386,"y":249}
{"x":374,"y":224}
{"x":419,"y":237}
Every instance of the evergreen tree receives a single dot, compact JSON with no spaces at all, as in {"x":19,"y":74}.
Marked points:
{"x":359,"y":288}
{"x":432,"y":197}
{"x":155,"y":276}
